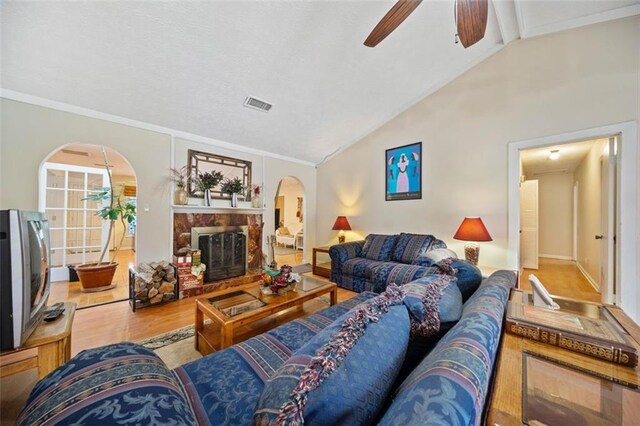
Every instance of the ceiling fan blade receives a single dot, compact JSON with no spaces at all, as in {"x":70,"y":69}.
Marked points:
{"x":394,"y":17}
{"x":471,"y":16}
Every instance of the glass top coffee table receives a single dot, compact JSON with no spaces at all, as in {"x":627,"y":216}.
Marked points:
{"x":242,"y":305}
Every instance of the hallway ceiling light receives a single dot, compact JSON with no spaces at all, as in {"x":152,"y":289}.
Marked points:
{"x":555,"y":154}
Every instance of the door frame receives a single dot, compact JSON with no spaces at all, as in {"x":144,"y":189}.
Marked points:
{"x":627,"y":208}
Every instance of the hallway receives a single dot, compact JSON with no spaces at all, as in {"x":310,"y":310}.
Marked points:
{"x":561,"y":278}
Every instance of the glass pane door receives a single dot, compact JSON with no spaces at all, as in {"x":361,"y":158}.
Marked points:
{"x":77,"y":233}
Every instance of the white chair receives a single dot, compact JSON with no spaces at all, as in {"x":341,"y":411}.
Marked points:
{"x":284,"y":237}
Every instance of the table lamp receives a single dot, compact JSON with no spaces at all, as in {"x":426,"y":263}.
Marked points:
{"x":342,"y":224}
{"x":472,"y":229}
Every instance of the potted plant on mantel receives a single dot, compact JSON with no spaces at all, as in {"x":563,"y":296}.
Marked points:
{"x":180,"y":178}
{"x":232,"y":187}
{"x":205,"y":182}
{"x":99,"y":276}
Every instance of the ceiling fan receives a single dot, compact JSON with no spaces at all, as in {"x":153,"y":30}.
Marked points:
{"x":471,"y":20}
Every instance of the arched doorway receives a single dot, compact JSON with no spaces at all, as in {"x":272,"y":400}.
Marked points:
{"x":78,"y":235}
{"x":289,"y":222}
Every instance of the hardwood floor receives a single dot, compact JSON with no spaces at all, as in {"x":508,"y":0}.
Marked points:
{"x":65,"y":291}
{"x":561,"y":278}
{"x":115,"y":322}
{"x":291,"y":259}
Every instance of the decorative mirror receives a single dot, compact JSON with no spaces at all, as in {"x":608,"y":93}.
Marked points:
{"x":202,"y":162}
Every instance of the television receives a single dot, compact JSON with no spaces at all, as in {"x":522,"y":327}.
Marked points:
{"x":24,"y":274}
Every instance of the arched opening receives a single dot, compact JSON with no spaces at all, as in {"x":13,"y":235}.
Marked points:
{"x":289,"y":222}
{"x":78,"y":235}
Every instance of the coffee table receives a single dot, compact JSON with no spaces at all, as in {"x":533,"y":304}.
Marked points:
{"x":245,"y":304}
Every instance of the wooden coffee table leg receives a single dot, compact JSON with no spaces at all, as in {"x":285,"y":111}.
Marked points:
{"x":334,"y":296}
{"x":199,"y":326}
{"x":226,"y":336}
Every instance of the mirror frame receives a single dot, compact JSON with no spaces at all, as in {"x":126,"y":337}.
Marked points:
{"x":195,"y":158}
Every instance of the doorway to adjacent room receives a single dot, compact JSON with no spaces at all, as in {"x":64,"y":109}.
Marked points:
{"x":67,"y":177}
{"x":289,"y":222}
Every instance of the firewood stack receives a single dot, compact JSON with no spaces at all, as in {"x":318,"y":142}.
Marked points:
{"x":155,"y":282}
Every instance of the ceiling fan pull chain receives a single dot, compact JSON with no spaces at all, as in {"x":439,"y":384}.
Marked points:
{"x":455,"y":21}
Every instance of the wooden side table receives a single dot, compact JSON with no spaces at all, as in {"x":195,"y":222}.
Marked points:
{"x":50,"y":347}
{"x":323,"y":269}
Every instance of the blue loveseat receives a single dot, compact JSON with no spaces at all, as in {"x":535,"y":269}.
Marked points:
{"x":379,"y":260}
{"x":127,"y":384}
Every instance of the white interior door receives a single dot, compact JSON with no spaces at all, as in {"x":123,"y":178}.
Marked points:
{"x":529,"y":224}
{"x":607,"y":222}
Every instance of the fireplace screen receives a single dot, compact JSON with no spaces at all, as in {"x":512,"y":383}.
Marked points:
{"x":224,"y":254}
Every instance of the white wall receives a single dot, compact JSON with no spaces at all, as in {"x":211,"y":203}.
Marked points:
{"x":548,"y":85}
{"x":555,"y":215}
{"x":31,"y":133}
{"x":587,"y":175}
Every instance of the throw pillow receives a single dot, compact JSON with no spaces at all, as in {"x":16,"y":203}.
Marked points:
{"x":469,"y":277}
{"x":434,"y":256}
{"x":431,"y":300}
{"x":378,"y":247}
{"x":333,"y":378}
{"x":410,"y":246}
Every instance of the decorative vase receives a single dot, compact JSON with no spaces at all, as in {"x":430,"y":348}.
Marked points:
{"x":256,"y":202}
{"x":207,"y":197}
{"x":181,"y":197}
{"x":234,"y":200}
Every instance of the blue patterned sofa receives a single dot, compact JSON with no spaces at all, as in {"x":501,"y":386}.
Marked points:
{"x":378,"y":260}
{"x":127,"y":384}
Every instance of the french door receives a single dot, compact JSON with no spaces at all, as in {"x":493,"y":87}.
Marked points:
{"x":77,"y":232}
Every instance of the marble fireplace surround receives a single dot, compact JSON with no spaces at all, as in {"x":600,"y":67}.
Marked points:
{"x":182,"y":224}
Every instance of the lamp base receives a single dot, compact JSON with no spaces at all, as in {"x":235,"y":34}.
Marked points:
{"x":472,"y":252}
{"x":341,"y":239}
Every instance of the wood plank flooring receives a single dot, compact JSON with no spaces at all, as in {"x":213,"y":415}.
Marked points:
{"x":115,"y":322}
{"x":561,"y":278}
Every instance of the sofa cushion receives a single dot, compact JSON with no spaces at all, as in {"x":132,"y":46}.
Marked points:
{"x":396,"y":273}
{"x":106,"y":385}
{"x":410,"y":246}
{"x":378,"y":247}
{"x":450,"y":385}
{"x":359,"y":267}
{"x":434,"y":256}
{"x":432,"y":300}
{"x":333,"y":379}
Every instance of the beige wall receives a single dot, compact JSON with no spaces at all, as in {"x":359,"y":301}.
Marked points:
{"x":587,"y":176}
{"x":555,"y":215}
{"x":547,"y":85}
{"x":31,"y":133}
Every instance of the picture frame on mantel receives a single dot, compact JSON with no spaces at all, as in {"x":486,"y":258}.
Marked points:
{"x":202,"y":162}
{"x":403,"y":172}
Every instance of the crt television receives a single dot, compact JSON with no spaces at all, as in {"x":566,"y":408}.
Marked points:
{"x":24,"y":274}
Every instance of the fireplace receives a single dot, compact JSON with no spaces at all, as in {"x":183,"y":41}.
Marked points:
{"x":224,"y":250}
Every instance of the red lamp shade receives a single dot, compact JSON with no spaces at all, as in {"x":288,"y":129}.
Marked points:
{"x":472,"y":229}
{"x":342,"y":224}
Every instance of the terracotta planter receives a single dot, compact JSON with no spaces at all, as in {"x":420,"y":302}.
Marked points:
{"x":94,"y":277}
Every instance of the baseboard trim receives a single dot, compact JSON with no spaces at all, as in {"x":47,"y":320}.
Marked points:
{"x":553,"y":256}
{"x":588,"y":277}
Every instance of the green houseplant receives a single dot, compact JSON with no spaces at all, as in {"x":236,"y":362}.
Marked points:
{"x":99,"y":276}
{"x":205,"y":182}
{"x":180,"y":177}
{"x":232,"y":187}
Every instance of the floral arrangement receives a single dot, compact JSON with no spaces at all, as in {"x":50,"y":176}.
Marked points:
{"x":272,"y":281}
{"x":208,"y":180}
{"x":232,"y":186}
{"x":179,"y":176}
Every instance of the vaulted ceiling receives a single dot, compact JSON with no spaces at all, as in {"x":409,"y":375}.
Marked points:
{"x":189,"y":66}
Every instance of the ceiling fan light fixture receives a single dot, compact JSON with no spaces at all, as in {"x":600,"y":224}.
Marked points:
{"x":555,"y":154}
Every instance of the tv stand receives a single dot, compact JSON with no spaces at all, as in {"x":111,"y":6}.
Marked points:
{"x":46,"y":349}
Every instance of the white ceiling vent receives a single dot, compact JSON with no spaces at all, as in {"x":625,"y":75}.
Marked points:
{"x":251,"y":102}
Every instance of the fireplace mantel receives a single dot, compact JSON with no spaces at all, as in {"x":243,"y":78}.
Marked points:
{"x":215,"y":209}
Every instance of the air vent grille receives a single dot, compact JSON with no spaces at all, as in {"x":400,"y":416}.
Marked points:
{"x":251,"y":102}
